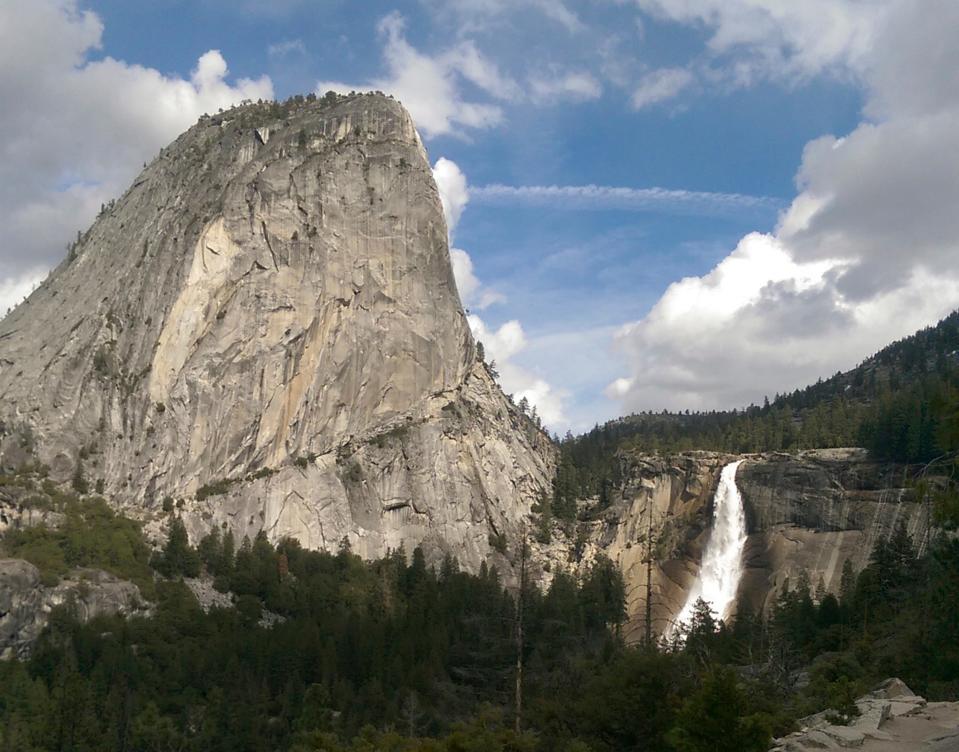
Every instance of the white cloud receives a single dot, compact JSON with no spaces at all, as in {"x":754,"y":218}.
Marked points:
{"x":286,"y":48}
{"x":81,"y":129}
{"x":559,"y":12}
{"x":454,"y":194}
{"x":761,"y":323}
{"x":576,"y":86}
{"x":509,"y":339}
{"x":622,"y":198}
{"x":502,"y":345}
{"x":477,"y":14}
{"x":660,"y":86}
{"x":867,"y":251}
{"x":911,"y":67}
{"x":429,"y":87}
{"x":781,"y":38}
{"x":14,"y":289}
{"x":468,"y":62}
{"x":472,"y":292}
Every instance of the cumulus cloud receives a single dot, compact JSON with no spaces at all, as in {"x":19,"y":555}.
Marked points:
{"x":781,"y":39}
{"x":472,"y":292}
{"x":660,"y":86}
{"x":80,"y":129}
{"x":508,"y":340}
{"x":866,"y":252}
{"x":761,"y":323}
{"x":502,"y":345}
{"x":13,"y":290}
{"x":454,"y":195}
{"x":430,"y":86}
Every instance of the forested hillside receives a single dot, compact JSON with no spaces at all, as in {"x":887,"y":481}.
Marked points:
{"x":328,"y":653}
{"x":901,"y":404}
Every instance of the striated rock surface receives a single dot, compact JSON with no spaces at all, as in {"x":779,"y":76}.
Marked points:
{"x":25,"y":603}
{"x":812,"y":511}
{"x":266,"y":328}
{"x":807,"y":512}
{"x":668,"y":499}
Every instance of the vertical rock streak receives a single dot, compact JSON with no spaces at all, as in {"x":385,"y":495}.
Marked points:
{"x":266,"y":328}
{"x":722,"y":564}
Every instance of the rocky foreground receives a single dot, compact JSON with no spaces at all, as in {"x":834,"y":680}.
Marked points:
{"x":892,"y":718}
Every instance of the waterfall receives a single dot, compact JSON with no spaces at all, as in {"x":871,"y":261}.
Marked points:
{"x":722,"y":564}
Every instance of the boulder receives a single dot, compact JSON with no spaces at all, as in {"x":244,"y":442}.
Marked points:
{"x":25,"y":603}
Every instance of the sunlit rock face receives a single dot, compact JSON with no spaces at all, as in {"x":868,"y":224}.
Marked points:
{"x":269,"y":314}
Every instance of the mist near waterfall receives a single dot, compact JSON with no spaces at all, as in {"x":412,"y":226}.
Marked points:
{"x":722,"y":565}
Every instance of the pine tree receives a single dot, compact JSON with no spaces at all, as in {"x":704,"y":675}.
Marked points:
{"x":847,"y":584}
{"x":717,"y":718}
{"x":178,"y":558}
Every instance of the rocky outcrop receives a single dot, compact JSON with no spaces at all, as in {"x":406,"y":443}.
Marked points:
{"x":265,"y":328}
{"x":812,"y":511}
{"x":892,"y":717}
{"x":665,"y":501}
{"x":806,"y":513}
{"x":25,"y":603}
{"x":22,"y":506}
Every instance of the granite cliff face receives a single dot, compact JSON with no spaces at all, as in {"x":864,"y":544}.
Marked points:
{"x":265,"y":329}
{"x":812,"y":511}
{"x":807,"y":512}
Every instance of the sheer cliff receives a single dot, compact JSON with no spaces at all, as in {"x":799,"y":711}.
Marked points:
{"x":265,"y":331}
{"x":805,"y":513}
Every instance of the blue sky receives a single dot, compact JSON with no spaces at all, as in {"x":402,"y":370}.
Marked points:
{"x":707,"y":97}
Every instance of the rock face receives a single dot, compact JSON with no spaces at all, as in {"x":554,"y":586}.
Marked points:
{"x":807,"y":512}
{"x":669,"y":498}
{"x":266,"y":327}
{"x":891,"y":717}
{"x":25,"y":604}
{"x":812,"y":511}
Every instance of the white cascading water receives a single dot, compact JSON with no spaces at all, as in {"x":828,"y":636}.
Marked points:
{"x":722,"y":565}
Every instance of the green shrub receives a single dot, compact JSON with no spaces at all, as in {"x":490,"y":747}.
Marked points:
{"x":91,"y":535}
{"x":213,"y":488}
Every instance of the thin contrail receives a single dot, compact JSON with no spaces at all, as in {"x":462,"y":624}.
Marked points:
{"x":605,"y":197}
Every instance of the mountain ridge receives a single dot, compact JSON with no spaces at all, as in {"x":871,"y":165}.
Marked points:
{"x":265,"y":330}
